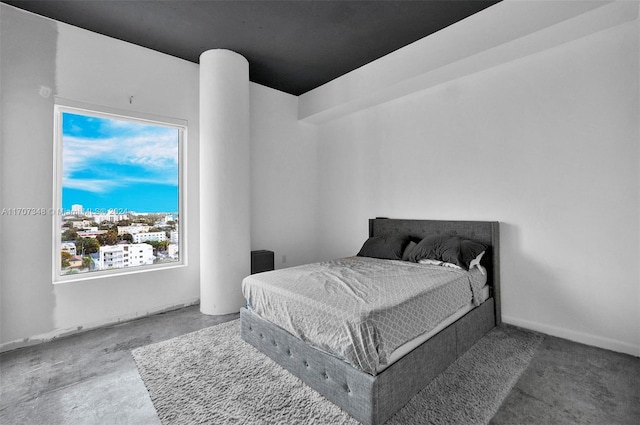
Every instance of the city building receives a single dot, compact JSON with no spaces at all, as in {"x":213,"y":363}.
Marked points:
{"x":75,"y":262}
{"x":91,"y":233}
{"x":149,"y":236}
{"x":124,"y":255}
{"x":69,"y":247}
{"x":133,"y":229}
{"x":110,"y":216}
{"x":80,"y":224}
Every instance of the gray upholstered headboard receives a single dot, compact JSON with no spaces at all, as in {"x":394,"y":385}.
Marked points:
{"x":485,"y":232}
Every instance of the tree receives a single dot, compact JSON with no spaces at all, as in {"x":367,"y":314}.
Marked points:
{"x":65,"y":257}
{"x":127,"y":237}
{"x":150,"y":219}
{"x":87,"y":246}
{"x":158,"y":246}
{"x":86,"y":262}
{"x":107,"y":225}
{"x":109,"y":238}
{"x":70,"y":234}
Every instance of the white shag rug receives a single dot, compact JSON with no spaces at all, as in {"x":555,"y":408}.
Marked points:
{"x":213,"y":377}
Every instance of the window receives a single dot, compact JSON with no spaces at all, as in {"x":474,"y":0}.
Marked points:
{"x":119,"y":193}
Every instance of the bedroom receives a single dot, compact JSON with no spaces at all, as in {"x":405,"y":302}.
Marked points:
{"x":546,"y":130}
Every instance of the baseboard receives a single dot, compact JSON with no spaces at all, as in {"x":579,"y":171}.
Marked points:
{"x":60,"y":333}
{"x":581,"y":337}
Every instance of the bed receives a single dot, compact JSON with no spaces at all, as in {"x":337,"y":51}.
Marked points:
{"x":371,"y":391}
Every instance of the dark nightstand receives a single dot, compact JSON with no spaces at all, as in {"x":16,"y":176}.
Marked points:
{"x":261,"y":261}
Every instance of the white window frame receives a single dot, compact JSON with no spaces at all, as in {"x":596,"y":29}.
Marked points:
{"x":66,"y":105}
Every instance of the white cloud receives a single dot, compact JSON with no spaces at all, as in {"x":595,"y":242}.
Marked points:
{"x":156,"y":156}
{"x":91,"y":185}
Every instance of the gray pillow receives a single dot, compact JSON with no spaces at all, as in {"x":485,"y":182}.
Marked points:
{"x":389,"y":247}
{"x":448,"y":248}
{"x":469,"y":250}
{"x":408,"y":249}
{"x":429,"y":247}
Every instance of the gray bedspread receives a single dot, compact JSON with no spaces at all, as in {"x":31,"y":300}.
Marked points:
{"x":361,"y":309}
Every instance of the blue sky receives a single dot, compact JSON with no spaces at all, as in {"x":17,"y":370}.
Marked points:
{"x":111,"y":163}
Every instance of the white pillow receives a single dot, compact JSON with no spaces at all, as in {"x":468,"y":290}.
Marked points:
{"x":451,"y":266}
{"x":439,"y":263}
{"x":476,"y":263}
{"x":430,"y":262}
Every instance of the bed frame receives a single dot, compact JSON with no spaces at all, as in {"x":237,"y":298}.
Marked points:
{"x":374,"y":399}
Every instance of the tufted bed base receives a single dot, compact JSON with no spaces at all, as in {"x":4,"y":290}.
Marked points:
{"x":372,"y":399}
{"x":369,"y":399}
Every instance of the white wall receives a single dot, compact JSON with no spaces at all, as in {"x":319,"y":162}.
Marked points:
{"x":546,"y":143}
{"x":284,"y":179}
{"x":504,"y":32}
{"x":87,"y":67}
{"x":81,"y":66}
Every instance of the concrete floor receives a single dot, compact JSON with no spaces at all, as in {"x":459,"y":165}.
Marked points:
{"x":91,"y":378}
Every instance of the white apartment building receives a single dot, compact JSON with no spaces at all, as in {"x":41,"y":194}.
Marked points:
{"x":133,"y":229}
{"x":69,"y":247}
{"x":124,"y":255}
{"x":109,"y":216}
{"x":91,"y":233}
{"x":80,"y":224}
{"x":149,"y":236}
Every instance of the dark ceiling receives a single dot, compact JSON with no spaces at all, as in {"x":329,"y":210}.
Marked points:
{"x":292,"y":46}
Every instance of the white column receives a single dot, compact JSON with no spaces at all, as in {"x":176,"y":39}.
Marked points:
{"x":225,"y":238}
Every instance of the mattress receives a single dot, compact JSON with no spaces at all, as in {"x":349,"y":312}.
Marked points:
{"x":361,"y":309}
{"x":407,"y":347}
